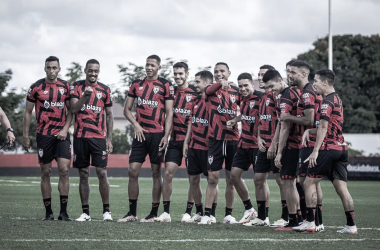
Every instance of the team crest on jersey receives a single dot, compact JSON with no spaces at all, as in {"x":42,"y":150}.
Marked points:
{"x":45,"y":92}
{"x":155,"y":90}
{"x":141,"y":88}
{"x":196,"y":106}
{"x":232,"y":98}
{"x":188,"y":98}
{"x":46,"y":104}
{"x":251,"y":105}
{"x":267,"y":102}
{"x":40,"y":152}
{"x":210,"y":159}
{"x":62,"y":91}
{"x":219,"y":96}
{"x":99,"y":95}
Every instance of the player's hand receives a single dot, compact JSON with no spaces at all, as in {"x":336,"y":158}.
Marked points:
{"x":163,"y":143}
{"x":261,"y":144}
{"x":277,"y":160}
{"x":109,"y":147}
{"x":10,"y":138}
{"x":26,"y":143}
{"x":139,"y":133}
{"x":88,"y":91}
{"x":231,"y":124}
{"x":285,"y":117}
{"x":305,"y":137}
{"x":312,"y":159}
{"x":61,"y":135}
{"x":185,"y":149}
{"x":271,"y":151}
{"x":225,"y":84}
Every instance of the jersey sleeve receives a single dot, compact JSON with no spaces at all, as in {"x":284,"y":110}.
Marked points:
{"x":286,"y":103}
{"x":31,"y":94}
{"x":68,"y":92}
{"x":326,"y":110}
{"x":108,"y":100}
{"x":74,"y":91}
{"x":308,"y":98}
{"x":132,"y":91}
{"x":169,"y":91}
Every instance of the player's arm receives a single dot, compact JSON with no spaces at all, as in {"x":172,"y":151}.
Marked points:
{"x":168,"y":123}
{"x":233,"y":122}
{"x":284,"y":134}
{"x":261,"y":143}
{"x":109,"y":124}
{"x":273,"y":146}
{"x":321,"y":134}
{"x":187,"y":140}
{"x":306,"y":120}
{"x":306,"y":135}
{"x":212,"y":88}
{"x":77,"y":104}
{"x":25,"y":131}
{"x":139,"y":131}
{"x":6,"y":124}
{"x":62,"y":134}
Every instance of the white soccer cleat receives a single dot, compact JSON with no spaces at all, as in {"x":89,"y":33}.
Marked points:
{"x":164,"y":217}
{"x":196,"y":218}
{"x":279,"y":223}
{"x":213,"y":219}
{"x":348,"y":230}
{"x":128,"y":218}
{"x":249,"y":214}
{"x":320,"y":228}
{"x":107,"y":216}
{"x":257,"y":222}
{"x":84,"y":217}
{"x":306,"y":226}
{"x":206,"y":220}
{"x":229,"y":219}
{"x":185,"y":217}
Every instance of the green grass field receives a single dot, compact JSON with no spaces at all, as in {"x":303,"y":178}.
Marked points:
{"x":21,"y":211}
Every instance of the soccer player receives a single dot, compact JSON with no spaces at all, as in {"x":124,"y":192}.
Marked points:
{"x":330,"y":154}
{"x":183,"y":97}
{"x":223,"y":98}
{"x":154,"y":116}
{"x":90,"y":99}
{"x":247,"y":148}
{"x":50,"y":97}
{"x":195,"y":147}
{"x":7,"y":126}
{"x":307,"y":117}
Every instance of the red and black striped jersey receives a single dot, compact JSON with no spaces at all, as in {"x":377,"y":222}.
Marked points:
{"x":151,"y":96}
{"x":181,"y":111}
{"x":288,"y":104}
{"x":268,"y":117}
{"x":199,"y":124}
{"x":90,"y":120}
{"x":332,"y":111}
{"x":222,"y":108}
{"x":249,"y":109}
{"x":50,"y":106}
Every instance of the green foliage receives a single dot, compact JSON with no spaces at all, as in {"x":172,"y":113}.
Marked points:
{"x":122,"y":142}
{"x":74,"y":73}
{"x":353,"y":152}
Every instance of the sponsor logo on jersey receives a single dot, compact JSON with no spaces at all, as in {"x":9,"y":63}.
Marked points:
{"x":324,"y":108}
{"x":252,"y":105}
{"x":202,"y":121}
{"x":249,"y":119}
{"x":150,"y":103}
{"x":59,"y":105}
{"x":94,"y":108}
{"x":226,"y":111}
{"x":267,"y":118}
{"x":184,"y":112}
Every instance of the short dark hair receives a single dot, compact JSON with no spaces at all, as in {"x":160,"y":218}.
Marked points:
{"x":92,"y":61}
{"x":52,"y":59}
{"x":290,"y":63}
{"x":155,"y":57}
{"x":205,"y":75}
{"x":223,"y":63}
{"x":271,"y":74}
{"x":267,"y":66}
{"x":243,"y":76}
{"x":326,"y":74}
{"x":181,"y":65}
{"x":301,"y":64}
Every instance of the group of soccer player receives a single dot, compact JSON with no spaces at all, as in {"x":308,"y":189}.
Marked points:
{"x":293,"y":129}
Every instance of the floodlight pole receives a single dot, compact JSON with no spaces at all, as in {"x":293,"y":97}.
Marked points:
{"x":330,"y":40}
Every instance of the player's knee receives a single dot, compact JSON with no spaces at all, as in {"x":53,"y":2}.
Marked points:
{"x":133,"y":174}
{"x":259,"y":182}
{"x":156,"y":173}
{"x":234,"y":177}
{"x":45,"y":174}
{"x":102,"y":174}
{"x":213,"y":182}
{"x":64,"y":173}
{"x":83,"y":174}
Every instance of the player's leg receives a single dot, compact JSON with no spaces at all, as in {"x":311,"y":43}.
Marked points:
{"x":230,"y":150}
{"x":167,"y":188}
{"x":284,"y":220}
{"x":211,"y":194}
{"x":318,"y":213}
{"x":104,"y":190}
{"x":46,"y":190}
{"x":196,"y":191}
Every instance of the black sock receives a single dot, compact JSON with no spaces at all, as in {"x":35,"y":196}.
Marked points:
{"x":154,"y":209}
{"x":64,"y":199}
{"x":310,"y":214}
{"x":350,"y":215}
{"x":266,"y":212}
{"x":86,"y":209}
{"x":261,"y":209}
{"x":228,"y":212}
{"x":166,"y":206}
{"x":208,"y":211}
{"x":199,"y":208}
{"x":319,"y":209}
{"x":47,"y":204}
{"x":301,"y":194}
{"x":189,"y":207}
{"x":285,"y":211}
{"x":299,"y":215}
{"x":316,"y":219}
{"x":213,"y":208}
{"x":106,"y":208}
{"x":292,"y":220}
{"x":133,"y":206}
{"x":247,"y":204}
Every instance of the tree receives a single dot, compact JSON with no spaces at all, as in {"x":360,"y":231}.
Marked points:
{"x":356,"y":62}
{"x":74,"y":73}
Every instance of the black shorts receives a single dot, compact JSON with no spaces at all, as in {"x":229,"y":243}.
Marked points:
{"x":50,"y":148}
{"x":330,"y":163}
{"x":86,"y":147}
{"x":196,"y":161}
{"x":302,"y":167}
{"x":289,"y":162}
{"x":174,"y":153}
{"x":265,"y":165}
{"x":244,"y":158}
{"x":219,"y":151}
{"x":150,"y":146}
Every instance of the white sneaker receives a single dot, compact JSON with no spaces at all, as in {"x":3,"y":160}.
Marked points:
{"x":279,"y":223}
{"x":320,"y":228}
{"x":107,"y":216}
{"x":229,"y":219}
{"x":196,"y":218}
{"x":128,"y":218}
{"x":205,"y":220}
{"x":249,"y":214}
{"x":307,"y":226}
{"x":84,"y":217}
{"x":348,"y":230}
{"x":213,"y":219}
{"x":185,"y":217}
{"x":257,"y":222}
{"x":164,"y":217}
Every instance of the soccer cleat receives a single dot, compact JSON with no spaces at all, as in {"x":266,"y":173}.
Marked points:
{"x":64,"y":217}
{"x":306,"y":226}
{"x":185,"y":217}
{"x":196,"y":218}
{"x":257,"y":222}
{"x":249,"y":214}
{"x":149,"y":218}
{"x":213,"y":219}
{"x":229,"y":219}
{"x":48,"y":217}
{"x":164,"y":217}
{"x":206,"y":220}
{"x":320,"y":228}
{"x":128,"y":218}
{"x":285,"y":228}
{"x":348,"y":230}
{"x":279,"y":223}
{"x":107,"y":216}
{"x":84,"y":217}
